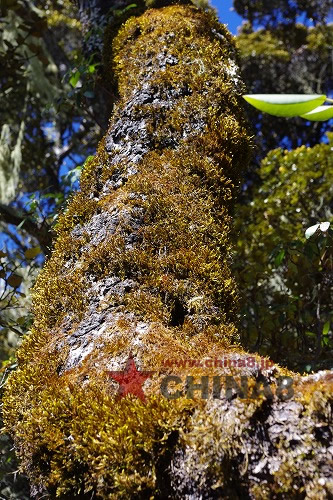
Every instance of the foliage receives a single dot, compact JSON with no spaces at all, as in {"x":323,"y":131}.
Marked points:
{"x":286,"y":279}
{"x":45,"y":133}
{"x":286,"y":60}
{"x":269,"y":14}
{"x":50,"y":129}
{"x":17,"y":275}
{"x":12,"y":483}
{"x":307,"y":106}
{"x":286,"y":57}
{"x":322,"y":113}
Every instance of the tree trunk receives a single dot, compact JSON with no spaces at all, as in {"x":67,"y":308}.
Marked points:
{"x":140,"y":274}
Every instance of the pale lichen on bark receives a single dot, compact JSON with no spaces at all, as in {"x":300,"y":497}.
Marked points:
{"x":141,"y":266}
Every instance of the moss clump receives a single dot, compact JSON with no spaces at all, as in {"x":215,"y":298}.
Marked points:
{"x":140,"y":267}
{"x":198,"y":146}
{"x":88,"y":441}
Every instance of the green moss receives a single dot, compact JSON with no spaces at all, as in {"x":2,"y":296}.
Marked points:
{"x":73,"y":434}
{"x":108,"y":447}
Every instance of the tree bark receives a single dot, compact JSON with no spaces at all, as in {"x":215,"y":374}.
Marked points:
{"x":140,"y":273}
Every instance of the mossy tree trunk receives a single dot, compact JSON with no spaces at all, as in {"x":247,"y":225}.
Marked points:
{"x":141,"y":269}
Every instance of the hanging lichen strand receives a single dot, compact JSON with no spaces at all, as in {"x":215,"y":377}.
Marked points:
{"x":141,"y":268}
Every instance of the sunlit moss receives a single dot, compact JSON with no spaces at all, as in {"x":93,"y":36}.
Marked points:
{"x":170,"y":240}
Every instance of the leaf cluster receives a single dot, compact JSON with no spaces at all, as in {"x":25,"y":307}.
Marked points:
{"x":269,"y":14}
{"x":286,"y":60}
{"x":286,"y":279}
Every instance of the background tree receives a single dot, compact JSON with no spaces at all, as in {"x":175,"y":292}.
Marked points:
{"x":286,"y":48}
{"x":286,"y":280}
{"x":45,"y":133}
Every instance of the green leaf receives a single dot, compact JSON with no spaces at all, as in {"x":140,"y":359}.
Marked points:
{"x":319,"y":114}
{"x":33,"y":205}
{"x":323,"y":226}
{"x":279,"y":258}
{"x":2,"y":254}
{"x":31,"y":253}
{"x":292,"y":267}
{"x":21,"y":223}
{"x":131,"y":6}
{"x":285,"y":104}
{"x":75,"y":78}
{"x":88,"y":160}
{"x":311,"y":230}
{"x":14,"y":280}
{"x":326,"y":328}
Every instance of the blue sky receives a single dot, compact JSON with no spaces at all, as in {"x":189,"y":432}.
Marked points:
{"x":233,"y":20}
{"x":226,"y":15}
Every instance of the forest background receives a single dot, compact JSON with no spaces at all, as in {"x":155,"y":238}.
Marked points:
{"x":53,"y":112}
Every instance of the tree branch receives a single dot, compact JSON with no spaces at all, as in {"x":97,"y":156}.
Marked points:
{"x":41,"y":231}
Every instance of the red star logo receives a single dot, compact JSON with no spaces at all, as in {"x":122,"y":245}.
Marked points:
{"x":130,"y":380}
